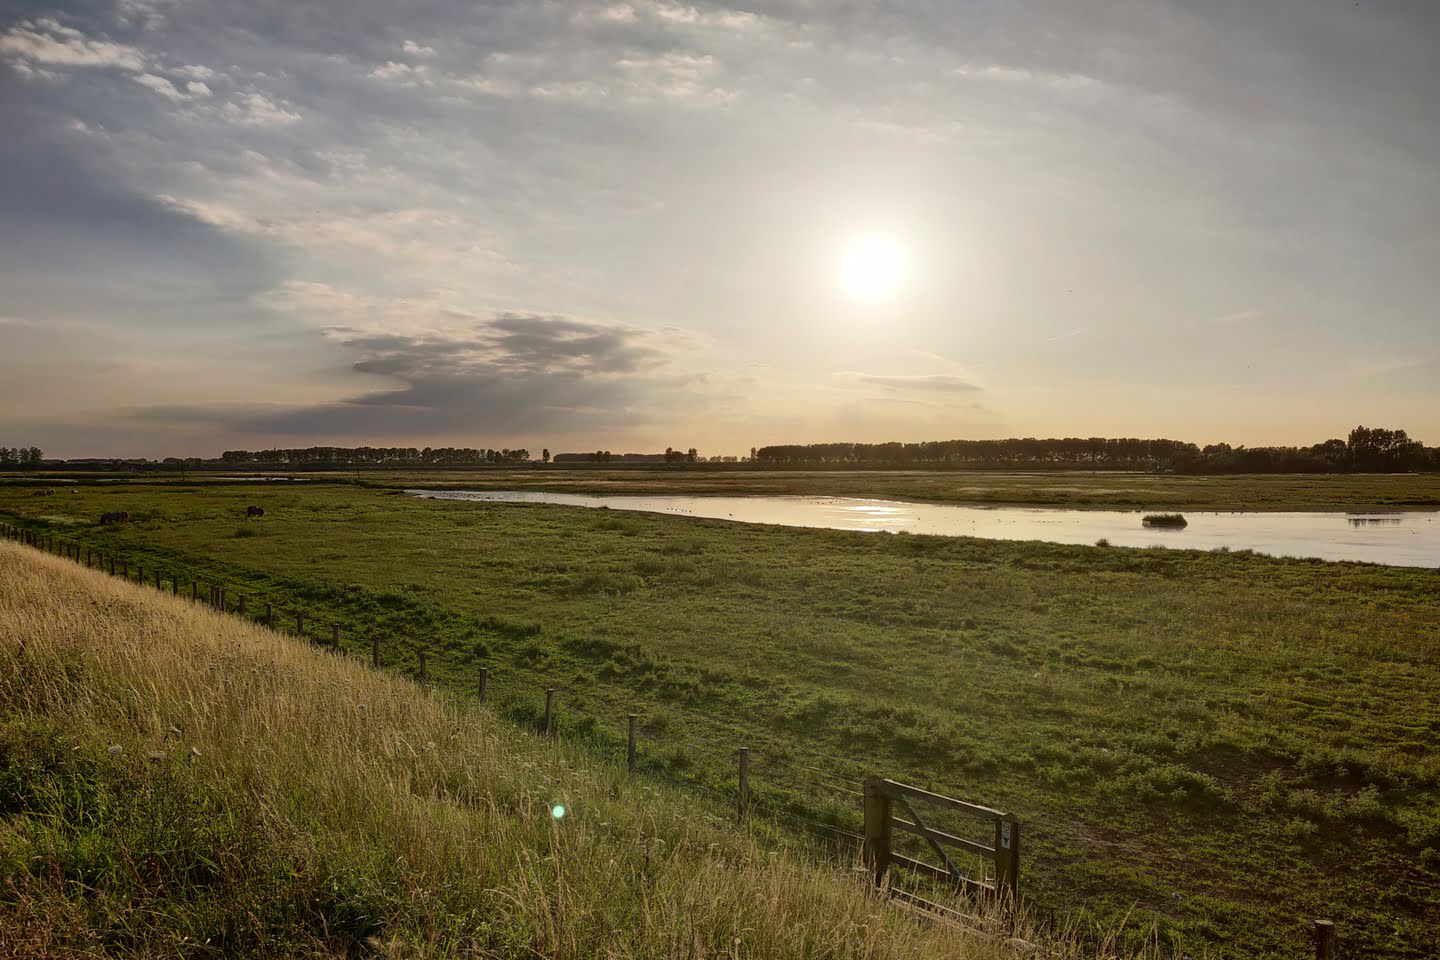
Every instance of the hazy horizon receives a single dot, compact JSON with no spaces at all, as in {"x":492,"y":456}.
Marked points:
{"x":645,"y":224}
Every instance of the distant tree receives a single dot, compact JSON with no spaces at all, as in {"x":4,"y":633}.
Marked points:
{"x":1382,"y":450}
{"x":691,"y":455}
{"x":545,"y":454}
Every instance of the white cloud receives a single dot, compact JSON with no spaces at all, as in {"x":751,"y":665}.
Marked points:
{"x":33,"y":73}
{"x":192,"y":71}
{"x":161,"y":86}
{"x":258,"y":110}
{"x":147,"y":14}
{"x":46,"y":40}
{"x":197,"y":88}
{"x":416,"y":49}
{"x":393,"y":71}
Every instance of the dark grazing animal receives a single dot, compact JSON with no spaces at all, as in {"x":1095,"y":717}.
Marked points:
{"x":253,"y":511}
{"x":114,"y":516}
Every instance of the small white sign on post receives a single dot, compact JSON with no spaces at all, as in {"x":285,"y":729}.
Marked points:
{"x":1004,"y":835}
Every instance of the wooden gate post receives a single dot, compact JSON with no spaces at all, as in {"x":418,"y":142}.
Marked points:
{"x":630,"y":745}
{"x":484,"y":682}
{"x":375,"y":649}
{"x":877,"y":829}
{"x":1007,"y":859}
{"x":335,"y":636}
{"x":270,"y":615}
{"x":1324,"y":940}
{"x":742,"y":796}
{"x":240,"y":605}
{"x":424,"y":673}
{"x":300,"y":625}
{"x":549,"y":711}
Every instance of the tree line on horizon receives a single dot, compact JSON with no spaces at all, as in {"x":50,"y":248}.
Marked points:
{"x":1365,"y":450}
{"x":21,"y":456}
{"x":419,"y":456}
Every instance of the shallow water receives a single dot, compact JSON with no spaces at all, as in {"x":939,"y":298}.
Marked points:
{"x":1409,"y":539}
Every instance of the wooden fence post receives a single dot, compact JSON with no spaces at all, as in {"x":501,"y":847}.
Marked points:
{"x":877,"y":829}
{"x":1007,"y":859}
{"x":175,"y":586}
{"x":125,"y":569}
{"x":195,"y":590}
{"x":157,"y":581}
{"x":240,"y":605}
{"x":140,"y":576}
{"x":424,"y":673}
{"x":549,"y":711}
{"x":270,"y":615}
{"x":484,"y":682}
{"x":375,"y":650}
{"x":1324,"y":940}
{"x":630,"y":745}
{"x":742,"y":796}
{"x":335,"y":636}
{"x":300,"y":625}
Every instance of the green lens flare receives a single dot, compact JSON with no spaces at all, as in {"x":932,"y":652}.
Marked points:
{"x":558,"y":811}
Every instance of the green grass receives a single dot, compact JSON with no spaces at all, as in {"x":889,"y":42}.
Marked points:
{"x":1111,"y":490}
{"x":1074,"y":489}
{"x":176,"y":783}
{"x":1224,"y":744}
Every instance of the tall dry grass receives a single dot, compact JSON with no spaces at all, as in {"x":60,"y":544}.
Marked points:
{"x":176,"y":782}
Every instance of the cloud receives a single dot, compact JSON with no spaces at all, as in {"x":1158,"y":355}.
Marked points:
{"x":257,"y":110}
{"x":401,"y":73}
{"x":929,"y":383}
{"x":510,"y":373}
{"x":507,"y":345}
{"x":163,"y":87}
{"x":416,"y":49}
{"x":46,"y":40}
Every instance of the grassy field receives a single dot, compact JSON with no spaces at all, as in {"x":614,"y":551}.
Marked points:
{"x":176,"y":783}
{"x":1119,"y":491}
{"x":1074,"y":489}
{"x":1221,"y":744}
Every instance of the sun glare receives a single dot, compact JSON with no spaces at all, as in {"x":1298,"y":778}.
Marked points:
{"x":873,"y":268}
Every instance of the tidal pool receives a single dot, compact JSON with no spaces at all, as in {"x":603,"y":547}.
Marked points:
{"x":1408,"y":539}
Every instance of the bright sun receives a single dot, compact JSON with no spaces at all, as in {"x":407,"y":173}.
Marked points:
{"x":873,"y":268}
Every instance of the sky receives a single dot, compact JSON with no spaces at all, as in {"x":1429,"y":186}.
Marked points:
{"x":630,"y":225}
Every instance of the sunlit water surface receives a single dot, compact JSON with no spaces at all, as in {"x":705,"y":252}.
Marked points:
{"x":1409,"y":539}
